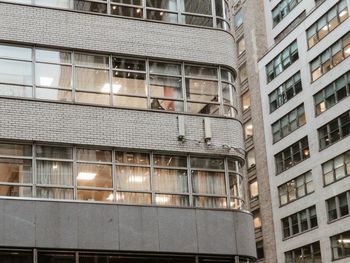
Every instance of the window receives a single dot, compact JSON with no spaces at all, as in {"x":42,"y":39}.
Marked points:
{"x":280,"y":63}
{"x":62,"y":257}
{"x":285,"y":92}
{"x":338,"y":206}
{"x":283,"y":9}
{"x":257,"y":220}
{"x":243,"y":73}
{"x":332,"y":94}
{"x":241,"y":46}
{"x":246,"y":101}
{"x":328,"y":22}
{"x":288,"y":123}
{"x":253,"y":190}
{"x":260,"y":250}
{"x":290,"y":27}
{"x":306,"y":254}
{"x":16,"y":256}
{"x":184,"y":12}
{"x":334,"y":130}
{"x":340,"y":245}
{"x":296,"y":188}
{"x":107,"y":175}
{"x":292,"y":155}
{"x":299,"y":222}
{"x":238,"y":19}
{"x":336,"y":168}
{"x":116,"y":81}
{"x":330,"y":57}
{"x":251,"y":159}
{"x":248,"y":129}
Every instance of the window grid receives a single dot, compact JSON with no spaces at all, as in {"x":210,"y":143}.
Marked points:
{"x":336,"y":168}
{"x":292,"y":155}
{"x":332,"y":94}
{"x":101,"y":179}
{"x":282,"y":61}
{"x":331,"y":57}
{"x":96,"y":82}
{"x":327,"y":23}
{"x":338,"y":206}
{"x":334,"y":130}
{"x":288,"y":123}
{"x":285,"y":92}
{"x":296,"y":188}
{"x":340,"y":245}
{"x":282,"y":10}
{"x":213,"y":14}
{"x":310,"y":253}
{"x":306,"y":220}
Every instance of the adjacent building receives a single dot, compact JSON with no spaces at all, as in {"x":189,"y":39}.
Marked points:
{"x":304,"y":86}
{"x":120,"y":137}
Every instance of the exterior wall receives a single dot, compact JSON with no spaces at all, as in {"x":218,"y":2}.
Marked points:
{"x":61,"y":225}
{"x":254,"y":33}
{"x":122,"y":128}
{"x":125,"y":36}
{"x":317,"y":157}
{"x":77,"y":225}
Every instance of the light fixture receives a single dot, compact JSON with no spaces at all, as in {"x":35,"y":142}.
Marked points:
{"x":162,"y":199}
{"x":306,"y":152}
{"x":114,"y":7}
{"x":46,"y":81}
{"x":136,"y":179}
{"x":86,"y":176}
{"x":110,"y":197}
{"x":55,"y":166}
{"x":138,"y":10}
{"x":115,"y":87}
{"x":346,"y":241}
{"x":161,"y":13}
{"x":343,"y":13}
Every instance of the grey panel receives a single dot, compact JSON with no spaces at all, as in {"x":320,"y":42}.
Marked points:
{"x":98,"y":226}
{"x":56,"y":225}
{"x":18,"y":223}
{"x":138,"y":228}
{"x":177,"y":230}
{"x":245,"y":234}
{"x":216,"y":232}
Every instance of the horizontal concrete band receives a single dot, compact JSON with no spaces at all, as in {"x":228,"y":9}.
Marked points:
{"x":60,"y":225}
{"x":40,"y":121}
{"x":102,"y":33}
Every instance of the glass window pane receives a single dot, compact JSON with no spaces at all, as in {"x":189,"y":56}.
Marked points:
{"x":16,"y":72}
{"x":15,"y":91}
{"x":134,"y":102}
{"x":172,"y":200}
{"x":162,"y":16}
{"x":202,"y":90}
{"x":16,"y":52}
{"x":55,"y":3}
{"x":15,"y":191}
{"x":54,"y":173}
{"x":56,"y":257}
{"x":92,"y":79}
{"x":90,"y":7}
{"x":199,"y":6}
{"x":94,"y":155}
{"x":91,"y":60}
{"x":204,"y":182}
{"x":170,"y":87}
{"x":126,"y":11}
{"x":13,"y":256}
{"x":170,"y":181}
{"x":92,"y":195}
{"x":207,"y":163}
{"x":132,"y":158}
{"x":133,"y":178}
{"x":15,"y":171}
{"x":163,"y":4}
{"x":53,"y":94}
{"x":210,"y":202}
{"x":129,"y":83}
{"x":53,"y":56}
{"x":94,"y":175}
{"x":53,"y":75}
{"x":15,"y":149}
{"x":54,"y":193}
{"x":169,"y":160}
{"x":92,"y":98}
{"x":134,"y":198}
{"x":54,"y":152}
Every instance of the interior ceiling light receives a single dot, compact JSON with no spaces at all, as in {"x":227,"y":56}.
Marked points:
{"x":84,"y":176}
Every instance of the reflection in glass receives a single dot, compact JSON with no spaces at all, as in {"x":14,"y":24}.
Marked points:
{"x":129,"y":83}
{"x":94,"y":155}
{"x":172,"y":200}
{"x":132,"y":158}
{"x":15,"y":51}
{"x":92,"y":98}
{"x":54,"y":152}
{"x":58,"y":76}
{"x":126,"y":11}
{"x":207,"y":163}
{"x":15,"y":149}
{"x":91,"y":79}
{"x":15,"y":91}
{"x":210,"y":202}
{"x":53,"y":94}
{"x":15,"y":191}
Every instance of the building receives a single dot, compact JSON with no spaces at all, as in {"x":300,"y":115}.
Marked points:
{"x":251,"y":44}
{"x":304,"y":85}
{"x":119,"y":133}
